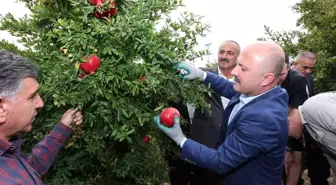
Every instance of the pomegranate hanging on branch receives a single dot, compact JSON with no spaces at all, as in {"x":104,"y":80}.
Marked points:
{"x":100,"y":12}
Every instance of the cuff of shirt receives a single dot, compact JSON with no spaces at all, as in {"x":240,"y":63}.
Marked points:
{"x":61,"y":132}
{"x":204,"y":75}
{"x":182,"y":142}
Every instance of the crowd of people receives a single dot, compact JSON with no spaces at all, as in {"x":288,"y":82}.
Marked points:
{"x":264,"y":127}
{"x":266,"y":124}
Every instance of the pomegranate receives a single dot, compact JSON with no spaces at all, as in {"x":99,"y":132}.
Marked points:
{"x":167,"y":116}
{"x":90,"y":65}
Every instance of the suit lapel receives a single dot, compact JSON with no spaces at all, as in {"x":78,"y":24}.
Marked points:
{"x":227,"y":113}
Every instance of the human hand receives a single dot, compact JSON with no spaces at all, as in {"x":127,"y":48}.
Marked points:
{"x":72,"y":116}
{"x":175,"y":132}
{"x":191,"y":71}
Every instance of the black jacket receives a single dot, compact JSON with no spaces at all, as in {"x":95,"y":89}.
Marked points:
{"x":205,"y":127}
{"x":295,"y":85}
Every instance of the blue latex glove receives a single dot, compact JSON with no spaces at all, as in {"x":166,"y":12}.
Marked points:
{"x":192,"y":72}
{"x":175,"y":132}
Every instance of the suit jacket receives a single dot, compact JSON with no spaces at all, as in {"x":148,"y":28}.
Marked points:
{"x":295,"y":85}
{"x":310,"y":82}
{"x":253,"y":149}
{"x":205,"y":126}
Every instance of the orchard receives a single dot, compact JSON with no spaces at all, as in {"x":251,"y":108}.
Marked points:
{"x":113,"y":60}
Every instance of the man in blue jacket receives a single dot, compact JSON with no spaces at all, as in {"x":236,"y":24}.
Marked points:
{"x":253,"y":143}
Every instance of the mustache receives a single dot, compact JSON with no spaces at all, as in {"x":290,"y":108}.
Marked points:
{"x":224,"y":60}
{"x":236,"y":79}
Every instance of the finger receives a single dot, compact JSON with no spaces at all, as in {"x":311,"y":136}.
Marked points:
{"x":78,"y":113}
{"x":77,"y":118}
{"x":177,"y":66}
{"x":182,"y":75}
{"x":156,"y":120}
{"x":176,"y":120}
{"x":73,"y":111}
{"x":79,"y":122}
{"x":69,"y":110}
{"x":159,"y":124}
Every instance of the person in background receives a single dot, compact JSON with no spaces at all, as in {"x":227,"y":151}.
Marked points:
{"x":305,"y":63}
{"x":19,"y":102}
{"x":253,"y":146}
{"x":317,"y":116}
{"x":205,"y":126}
{"x":295,"y":84}
{"x":317,"y":164}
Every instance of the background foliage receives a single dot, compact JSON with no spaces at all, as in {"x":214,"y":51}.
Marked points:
{"x":317,"y":34}
{"x":117,"y":104}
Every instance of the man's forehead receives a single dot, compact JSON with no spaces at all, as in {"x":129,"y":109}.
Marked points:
{"x":228,"y":46}
{"x":307,"y":61}
{"x":30,"y":85}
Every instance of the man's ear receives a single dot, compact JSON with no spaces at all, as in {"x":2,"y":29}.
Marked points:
{"x":268,"y":79}
{"x":3,"y":111}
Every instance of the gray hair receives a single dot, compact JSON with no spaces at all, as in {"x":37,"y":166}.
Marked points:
{"x":234,"y":42}
{"x":13,"y":69}
{"x":305,"y":54}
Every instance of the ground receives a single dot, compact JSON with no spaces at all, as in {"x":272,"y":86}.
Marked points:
{"x":307,"y":181}
{"x":304,"y":176}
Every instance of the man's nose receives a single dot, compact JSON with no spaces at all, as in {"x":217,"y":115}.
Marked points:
{"x":234,"y":72}
{"x":39,"y":103}
{"x":309,"y":71}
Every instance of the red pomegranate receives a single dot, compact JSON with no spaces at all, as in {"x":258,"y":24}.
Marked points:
{"x":109,"y":13}
{"x":90,"y":65}
{"x":167,"y":116}
{"x":146,"y":139}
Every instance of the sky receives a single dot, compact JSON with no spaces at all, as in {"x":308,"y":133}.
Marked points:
{"x":239,"y":20}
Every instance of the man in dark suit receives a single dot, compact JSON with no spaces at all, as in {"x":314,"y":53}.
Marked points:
{"x":317,"y":163}
{"x":255,"y":128}
{"x":205,"y":126}
{"x":295,"y":84}
{"x":305,"y":63}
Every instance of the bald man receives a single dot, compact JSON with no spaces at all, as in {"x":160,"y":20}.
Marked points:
{"x":252,"y":149}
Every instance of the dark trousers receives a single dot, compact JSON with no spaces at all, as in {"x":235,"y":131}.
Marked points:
{"x":316,"y":163}
{"x":183,"y":173}
{"x":318,"y":167}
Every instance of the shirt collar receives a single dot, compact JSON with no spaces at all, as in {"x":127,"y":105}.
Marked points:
{"x":11,"y":144}
{"x":246,"y":99}
{"x":221,"y":75}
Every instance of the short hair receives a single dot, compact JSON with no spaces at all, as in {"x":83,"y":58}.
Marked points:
{"x":304,"y":54}
{"x":13,"y":70}
{"x":234,"y":42}
{"x":287,"y":59}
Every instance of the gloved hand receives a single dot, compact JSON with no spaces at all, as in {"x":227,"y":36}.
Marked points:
{"x":175,"y":132}
{"x":192,"y":71}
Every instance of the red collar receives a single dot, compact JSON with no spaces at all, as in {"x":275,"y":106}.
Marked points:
{"x":12,"y":144}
